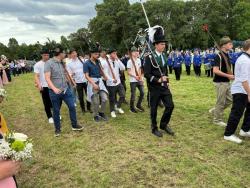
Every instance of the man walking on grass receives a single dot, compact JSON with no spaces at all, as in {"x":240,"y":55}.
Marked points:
{"x":222,"y":81}
{"x":42,"y":85}
{"x":241,"y":97}
{"x":58,"y":81}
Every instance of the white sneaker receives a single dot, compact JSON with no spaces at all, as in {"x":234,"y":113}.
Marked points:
{"x":220,"y":123}
{"x":211,"y":110}
{"x":244,"y":134}
{"x":113,"y":115}
{"x":120,"y":111}
{"x":233,"y":138}
{"x":51,"y":121}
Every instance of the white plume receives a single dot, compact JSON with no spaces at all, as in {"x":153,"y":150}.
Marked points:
{"x":152,"y":30}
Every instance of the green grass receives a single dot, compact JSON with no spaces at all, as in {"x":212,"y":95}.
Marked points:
{"x":123,"y":152}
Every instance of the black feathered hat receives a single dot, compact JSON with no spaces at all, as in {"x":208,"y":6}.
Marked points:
{"x":156,"y":34}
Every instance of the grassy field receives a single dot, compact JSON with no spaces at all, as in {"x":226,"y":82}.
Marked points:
{"x":123,"y":152}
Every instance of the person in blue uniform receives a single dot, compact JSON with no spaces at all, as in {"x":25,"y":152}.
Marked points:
{"x":178,"y":59}
{"x":208,"y":62}
{"x":233,"y":55}
{"x":170,"y":62}
{"x":197,"y":60}
{"x":187,"y":60}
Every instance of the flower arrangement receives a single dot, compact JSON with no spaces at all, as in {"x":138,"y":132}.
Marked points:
{"x":15,"y":146}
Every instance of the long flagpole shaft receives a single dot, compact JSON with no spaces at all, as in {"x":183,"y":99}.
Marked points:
{"x":143,"y":8}
{"x":151,"y":51}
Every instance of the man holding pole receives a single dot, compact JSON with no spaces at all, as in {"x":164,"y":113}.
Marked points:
{"x":155,"y":71}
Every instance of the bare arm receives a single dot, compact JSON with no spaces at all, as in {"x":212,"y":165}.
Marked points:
{"x":37,"y":82}
{"x":8,"y":169}
{"x":217,"y":71}
{"x":91,"y":81}
{"x":246,"y":87}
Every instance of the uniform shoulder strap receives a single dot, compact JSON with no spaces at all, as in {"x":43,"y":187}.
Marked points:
{"x":220,"y":60}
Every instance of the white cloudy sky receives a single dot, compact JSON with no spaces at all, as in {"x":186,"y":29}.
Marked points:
{"x":34,"y":20}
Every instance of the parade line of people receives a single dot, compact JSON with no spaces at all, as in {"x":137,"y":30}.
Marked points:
{"x":99,"y":78}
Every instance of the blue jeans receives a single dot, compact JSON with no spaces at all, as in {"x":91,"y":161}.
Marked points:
{"x":56,"y":100}
{"x":73,"y":90}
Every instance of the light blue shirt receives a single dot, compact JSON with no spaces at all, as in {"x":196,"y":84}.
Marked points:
{"x":242,"y":74}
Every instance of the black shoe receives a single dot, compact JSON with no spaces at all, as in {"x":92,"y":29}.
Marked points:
{"x":157,"y":133}
{"x":133,"y":110}
{"x":77,"y":128}
{"x":140,"y":108}
{"x":168,"y":130}
{"x":57,"y":133}
{"x":103,"y":116}
{"x":97,"y":118}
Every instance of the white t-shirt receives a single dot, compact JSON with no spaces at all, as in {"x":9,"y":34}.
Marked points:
{"x":242,"y":74}
{"x":102,"y":61}
{"x":132,"y":68}
{"x":75,"y":68}
{"x":116,"y":66}
{"x":39,"y":69}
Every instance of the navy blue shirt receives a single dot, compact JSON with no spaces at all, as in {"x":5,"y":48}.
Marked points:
{"x":92,"y":69}
{"x":178,"y":59}
{"x":187,"y":59}
{"x":197,"y":60}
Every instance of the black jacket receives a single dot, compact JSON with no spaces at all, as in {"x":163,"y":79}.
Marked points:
{"x":152,"y":74}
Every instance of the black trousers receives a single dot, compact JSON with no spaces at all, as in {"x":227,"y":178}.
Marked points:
{"x":133,"y":86}
{"x":113,"y":91}
{"x":240,"y":104}
{"x":197,"y":70}
{"x":8,"y":74}
{"x":81,"y":88}
{"x":47,"y":102}
{"x":170,"y":69}
{"x":177,"y":71}
{"x":24,"y":70}
{"x":212,"y":72}
{"x":208,"y":73}
{"x":155,"y":97}
{"x":123,"y":82}
{"x":188,"y":69}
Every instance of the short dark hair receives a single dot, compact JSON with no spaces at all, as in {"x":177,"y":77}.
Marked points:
{"x":72,"y":50}
{"x":246,"y":45}
{"x":58,"y":50}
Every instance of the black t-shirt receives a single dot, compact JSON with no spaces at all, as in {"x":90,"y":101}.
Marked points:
{"x":219,"y":61}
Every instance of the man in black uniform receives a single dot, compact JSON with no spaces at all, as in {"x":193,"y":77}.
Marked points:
{"x":155,"y":71}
